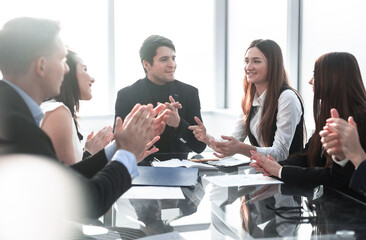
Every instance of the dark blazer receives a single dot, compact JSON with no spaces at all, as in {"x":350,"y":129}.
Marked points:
{"x":358,"y":181}
{"x":174,"y":143}
{"x":103,"y":182}
{"x":296,"y":171}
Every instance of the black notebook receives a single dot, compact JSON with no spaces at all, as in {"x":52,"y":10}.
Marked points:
{"x":164,"y":176}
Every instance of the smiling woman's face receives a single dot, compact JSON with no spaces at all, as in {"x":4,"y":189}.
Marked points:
{"x":85,"y":81}
{"x":311,"y":82}
{"x":255,"y":66}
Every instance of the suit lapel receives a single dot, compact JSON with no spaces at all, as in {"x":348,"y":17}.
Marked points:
{"x":12,"y":101}
{"x":174,"y":91}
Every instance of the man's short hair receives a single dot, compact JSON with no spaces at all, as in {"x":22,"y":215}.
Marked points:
{"x":23,"y":40}
{"x":149,"y":46}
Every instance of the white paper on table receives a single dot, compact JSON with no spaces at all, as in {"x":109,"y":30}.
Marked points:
{"x":242,"y":180}
{"x":151,"y":192}
{"x":164,"y":236}
{"x":232,"y":161}
{"x":183,"y":163}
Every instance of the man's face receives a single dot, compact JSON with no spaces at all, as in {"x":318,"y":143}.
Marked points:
{"x":54,"y":68}
{"x":163,"y":68}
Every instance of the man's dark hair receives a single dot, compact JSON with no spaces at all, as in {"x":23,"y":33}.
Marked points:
{"x":22,"y":40}
{"x":149,"y":46}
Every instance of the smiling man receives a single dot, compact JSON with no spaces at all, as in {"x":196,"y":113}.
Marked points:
{"x":33,"y":63}
{"x":157,"y":55}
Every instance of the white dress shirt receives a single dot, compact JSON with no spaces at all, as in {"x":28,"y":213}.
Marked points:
{"x":288,"y":117}
{"x":341,"y":163}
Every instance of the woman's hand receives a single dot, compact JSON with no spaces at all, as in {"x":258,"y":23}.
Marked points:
{"x":330,"y":139}
{"x":225,"y":148}
{"x":268,"y":166}
{"x":96,"y":143}
{"x":347,"y":139}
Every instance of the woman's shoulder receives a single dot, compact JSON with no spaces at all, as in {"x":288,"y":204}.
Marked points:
{"x":289,"y":94}
{"x":56,"y":110}
{"x":289,"y":97}
{"x":51,"y":105}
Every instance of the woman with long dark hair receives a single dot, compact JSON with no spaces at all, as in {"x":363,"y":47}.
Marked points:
{"x":272,"y":114}
{"x":60,"y":121}
{"x":337,"y":83}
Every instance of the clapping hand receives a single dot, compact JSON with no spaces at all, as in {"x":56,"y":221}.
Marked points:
{"x":137,"y":130}
{"x":173,"y":116}
{"x":330,"y":137}
{"x":149,"y":149}
{"x":161,"y":117}
{"x":95,"y":143}
{"x":340,"y":139}
{"x":267,"y":165}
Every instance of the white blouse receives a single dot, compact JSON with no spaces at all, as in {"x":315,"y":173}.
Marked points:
{"x":288,"y":117}
{"x":52,"y":105}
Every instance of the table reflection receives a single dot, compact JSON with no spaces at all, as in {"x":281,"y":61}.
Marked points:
{"x":150,"y":212}
{"x":251,"y":212}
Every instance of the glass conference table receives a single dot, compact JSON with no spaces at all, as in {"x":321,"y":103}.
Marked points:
{"x":253,"y":212}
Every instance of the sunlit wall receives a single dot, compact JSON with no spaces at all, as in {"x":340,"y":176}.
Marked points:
{"x":109,"y":40}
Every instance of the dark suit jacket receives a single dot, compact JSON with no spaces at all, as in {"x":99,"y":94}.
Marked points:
{"x":174,"y":143}
{"x":296,"y":171}
{"x":358,"y":181}
{"x":103,"y":182}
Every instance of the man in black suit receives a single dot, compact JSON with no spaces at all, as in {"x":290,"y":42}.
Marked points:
{"x":33,"y":64}
{"x":157,"y":55}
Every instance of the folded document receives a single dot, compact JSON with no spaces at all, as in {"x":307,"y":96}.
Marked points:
{"x":231,"y":161}
{"x":183,"y":163}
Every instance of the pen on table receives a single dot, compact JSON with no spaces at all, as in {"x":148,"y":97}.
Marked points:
{"x":204,"y":159}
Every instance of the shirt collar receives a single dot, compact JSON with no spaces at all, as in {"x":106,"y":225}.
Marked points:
{"x":259,"y":100}
{"x":32,"y":105}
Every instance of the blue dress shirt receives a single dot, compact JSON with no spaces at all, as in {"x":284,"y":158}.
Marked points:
{"x":112,"y":154}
